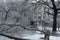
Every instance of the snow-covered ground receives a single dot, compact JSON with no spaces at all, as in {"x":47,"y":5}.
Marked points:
{"x":32,"y":37}
{"x":54,"y":38}
{"x":5,"y":38}
{"x":38,"y":36}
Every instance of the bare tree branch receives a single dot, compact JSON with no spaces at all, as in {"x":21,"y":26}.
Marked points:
{"x":7,"y":11}
{"x":58,"y":3}
{"x":58,"y":12}
{"x":25,"y":27}
{"x":46,"y":3}
{"x":49,"y":13}
{"x":54,"y":6}
{"x":58,"y":9}
{"x":12,"y":37}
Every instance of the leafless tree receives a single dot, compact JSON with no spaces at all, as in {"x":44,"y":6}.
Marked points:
{"x":54,"y":5}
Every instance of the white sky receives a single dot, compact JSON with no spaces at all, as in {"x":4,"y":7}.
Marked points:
{"x":13,"y":0}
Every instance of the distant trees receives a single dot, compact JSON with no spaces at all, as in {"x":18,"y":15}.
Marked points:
{"x":7,"y":9}
{"x":22,"y":8}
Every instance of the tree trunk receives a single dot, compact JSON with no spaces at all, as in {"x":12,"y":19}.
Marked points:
{"x":54,"y":21}
{"x":6,"y":16}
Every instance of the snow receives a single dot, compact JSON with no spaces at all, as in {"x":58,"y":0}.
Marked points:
{"x":54,"y":38}
{"x":33,"y":37}
{"x":5,"y":38}
{"x":38,"y":36}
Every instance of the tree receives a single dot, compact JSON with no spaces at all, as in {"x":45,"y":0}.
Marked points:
{"x":9,"y":8}
{"x":52,"y":4}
